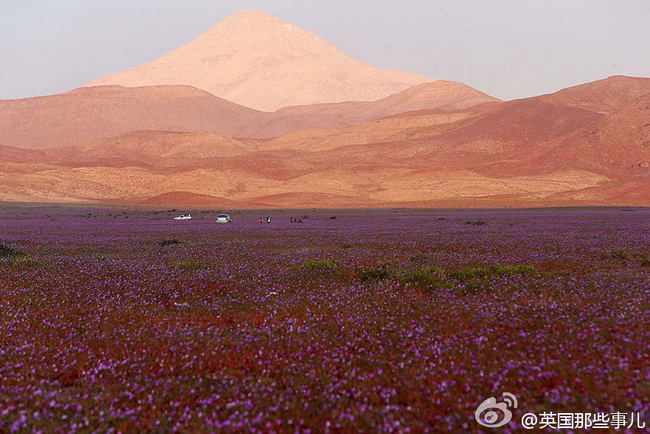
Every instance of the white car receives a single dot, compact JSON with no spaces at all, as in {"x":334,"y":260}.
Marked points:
{"x":223,"y":218}
{"x":184,"y":217}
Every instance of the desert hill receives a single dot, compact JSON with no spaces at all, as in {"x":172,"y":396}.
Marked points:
{"x":515,"y":126}
{"x":602,"y":96}
{"x":100,"y":112}
{"x":617,"y":145}
{"x":484,"y":129}
{"x":93,"y":113}
{"x":525,"y":152}
{"x":151,"y":148}
{"x":441,"y":94}
{"x":189,"y":199}
{"x":389,"y":129}
{"x":257,"y":60}
{"x":9,"y":154}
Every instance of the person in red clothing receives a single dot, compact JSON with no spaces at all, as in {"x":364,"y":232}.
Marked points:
{"x":291,"y":220}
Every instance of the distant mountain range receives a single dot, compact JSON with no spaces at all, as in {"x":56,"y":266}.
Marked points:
{"x":258,"y":112}
{"x":99,"y":112}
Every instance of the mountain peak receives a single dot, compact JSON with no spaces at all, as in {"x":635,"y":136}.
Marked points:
{"x":255,"y":59}
{"x":252,"y":15}
{"x":253,"y":29}
{"x":254,"y":19}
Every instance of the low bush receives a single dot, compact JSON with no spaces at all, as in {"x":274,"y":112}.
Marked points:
{"x":9,"y":252}
{"x":320,"y":265}
{"x":491,"y":270}
{"x":629,"y":255}
{"x":418,"y":257}
{"x":424,"y":275}
{"x":379,"y":273}
{"x":427,"y":277}
{"x":192,"y":265}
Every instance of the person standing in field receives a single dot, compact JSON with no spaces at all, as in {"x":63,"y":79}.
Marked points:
{"x":268,"y":220}
{"x":291,"y":220}
{"x":261,"y":221}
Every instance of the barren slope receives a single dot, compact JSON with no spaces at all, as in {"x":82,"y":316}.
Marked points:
{"x":602,"y":96}
{"x":105,"y":111}
{"x":155,"y":148}
{"x":389,"y":129}
{"x":98,"y":112}
{"x":493,"y":129}
{"x":617,"y":144}
{"x":10,"y":154}
{"x":441,"y":94}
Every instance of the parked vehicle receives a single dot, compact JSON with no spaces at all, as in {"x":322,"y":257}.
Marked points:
{"x":223,"y":218}
{"x":184,"y":217}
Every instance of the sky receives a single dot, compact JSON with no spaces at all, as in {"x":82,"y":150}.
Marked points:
{"x":507,"y":48}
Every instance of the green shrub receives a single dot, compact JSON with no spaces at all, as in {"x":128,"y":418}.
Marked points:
{"x":169,"y":242}
{"x":9,"y":252}
{"x":192,"y":265}
{"x":427,"y":277}
{"x":491,"y":270}
{"x":629,"y":255}
{"x":320,"y":265}
{"x":85,"y":250}
{"x":517,"y":269}
{"x":379,"y":273}
{"x":424,"y":275}
{"x":474,"y":279}
{"x":418,"y":257}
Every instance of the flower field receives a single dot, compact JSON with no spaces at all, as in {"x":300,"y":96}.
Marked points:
{"x":349,"y":321}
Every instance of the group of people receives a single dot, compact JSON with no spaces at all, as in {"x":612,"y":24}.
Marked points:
{"x":268,"y":220}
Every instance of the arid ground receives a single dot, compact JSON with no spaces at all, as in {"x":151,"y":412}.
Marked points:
{"x":351,"y":320}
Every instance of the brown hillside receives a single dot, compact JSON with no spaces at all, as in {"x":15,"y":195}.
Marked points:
{"x":91,"y":113}
{"x":602,"y":96}
{"x":154,"y":148}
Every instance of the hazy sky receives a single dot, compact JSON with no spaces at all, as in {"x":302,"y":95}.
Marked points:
{"x":507,"y":48}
